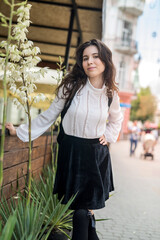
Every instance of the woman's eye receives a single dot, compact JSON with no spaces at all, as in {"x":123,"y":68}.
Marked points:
{"x":96,"y":56}
{"x":85,"y":59}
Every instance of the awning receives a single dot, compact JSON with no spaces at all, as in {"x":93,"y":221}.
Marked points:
{"x":59,"y":26}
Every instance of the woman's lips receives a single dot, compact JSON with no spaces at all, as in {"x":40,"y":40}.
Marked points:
{"x":90,"y":68}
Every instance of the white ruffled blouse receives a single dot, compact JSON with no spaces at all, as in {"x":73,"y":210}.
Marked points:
{"x":88,"y":116}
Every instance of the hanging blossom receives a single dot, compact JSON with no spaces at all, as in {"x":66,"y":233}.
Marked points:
{"x":24,"y":12}
{"x":21,"y":73}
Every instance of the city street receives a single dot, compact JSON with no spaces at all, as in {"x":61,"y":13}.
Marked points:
{"x":134,"y":208}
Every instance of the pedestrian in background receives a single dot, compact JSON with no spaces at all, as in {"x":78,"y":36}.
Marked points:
{"x":84,"y":164}
{"x":134,"y":131}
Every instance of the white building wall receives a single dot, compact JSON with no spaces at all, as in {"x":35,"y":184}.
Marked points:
{"x":113,"y":33}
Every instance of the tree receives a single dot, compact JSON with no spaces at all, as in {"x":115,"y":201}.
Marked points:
{"x":144,"y":107}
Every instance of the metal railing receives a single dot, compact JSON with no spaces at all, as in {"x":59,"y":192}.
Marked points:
{"x":126,"y":44}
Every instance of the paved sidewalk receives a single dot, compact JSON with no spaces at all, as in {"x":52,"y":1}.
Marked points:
{"x":134,"y":208}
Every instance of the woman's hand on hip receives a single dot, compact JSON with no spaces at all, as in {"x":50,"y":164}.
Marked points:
{"x":103,"y":140}
{"x":11,"y":128}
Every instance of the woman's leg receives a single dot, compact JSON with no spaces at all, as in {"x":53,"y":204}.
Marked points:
{"x":92,"y":235}
{"x":80,"y":224}
{"x":131,"y":147}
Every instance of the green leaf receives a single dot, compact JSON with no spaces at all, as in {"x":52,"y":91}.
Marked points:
{"x":8,"y":228}
{"x":103,"y":219}
{"x":2,"y":55}
{"x":7,"y":2}
{"x":2,"y":15}
{"x":20,"y":4}
{"x":62,"y":216}
{"x":0,"y":227}
{"x":3,"y":20}
{"x":4,"y":25}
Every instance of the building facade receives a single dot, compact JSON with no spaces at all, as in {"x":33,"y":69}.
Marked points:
{"x":119,"y":33}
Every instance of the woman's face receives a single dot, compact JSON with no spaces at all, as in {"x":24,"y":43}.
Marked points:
{"x":92,"y":64}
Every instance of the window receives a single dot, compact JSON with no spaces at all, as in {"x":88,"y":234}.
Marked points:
{"x":121,"y":74}
{"x":127,"y":33}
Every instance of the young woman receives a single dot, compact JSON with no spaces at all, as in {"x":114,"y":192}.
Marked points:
{"x":89,"y":124}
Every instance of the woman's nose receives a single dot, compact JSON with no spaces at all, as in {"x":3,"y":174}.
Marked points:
{"x":90,"y":60}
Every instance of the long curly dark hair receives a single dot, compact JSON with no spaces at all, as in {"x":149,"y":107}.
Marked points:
{"x":77,"y":78}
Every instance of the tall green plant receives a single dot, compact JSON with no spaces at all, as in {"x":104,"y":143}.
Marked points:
{"x":61,"y":72}
{"x":22,"y":74}
{"x":5,"y":57}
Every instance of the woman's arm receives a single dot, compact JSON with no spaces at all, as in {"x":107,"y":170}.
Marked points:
{"x":41,"y":123}
{"x":115,"y":119}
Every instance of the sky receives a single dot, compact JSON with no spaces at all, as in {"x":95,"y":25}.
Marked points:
{"x":148,"y":37}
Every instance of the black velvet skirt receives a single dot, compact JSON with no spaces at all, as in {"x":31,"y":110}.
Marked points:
{"x":84,"y":168}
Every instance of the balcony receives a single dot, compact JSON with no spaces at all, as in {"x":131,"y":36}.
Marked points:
{"x":133,"y":7}
{"x":125,"y":46}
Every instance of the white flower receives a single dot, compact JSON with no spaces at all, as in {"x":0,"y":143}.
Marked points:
{"x":17,"y":91}
{"x":22,"y":94}
{"x":26,"y":23}
{"x":43,"y":71}
{"x":39,"y":97}
{"x":29,"y":44}
{"x":14,"y":57}
{"x":27,"y":11}
{"x":24,"y":12}
{"x":24,"y":99}
{"x":23,"y":58}
{"x":35,"y":60}
{"x":42,"y":97}
{"x":3,"y":44}
{"x":20,"y":11}
{"x":17,"y":30}
{"x":11,"y":67}
{"x":13,"y":89}
{"x":23,"y":88}
{"x":37,"y":75}
{"x":29,"y":78}
{"x":27,"y":52}
{"x":31,"y":88}
{"x":20,"y":33}
{"x":28,"y":59}
{"x":12,"y":48}
{"x":16,"y":102}
{"x":26,"y":44}
{"x":22,"y":36}
{"x":36,"y":50}
{"x":36,"y":99}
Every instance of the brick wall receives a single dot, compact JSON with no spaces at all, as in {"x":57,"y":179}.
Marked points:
{"x":16,"y":160}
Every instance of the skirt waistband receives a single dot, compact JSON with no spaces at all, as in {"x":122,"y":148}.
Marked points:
{"x":82,"y":140}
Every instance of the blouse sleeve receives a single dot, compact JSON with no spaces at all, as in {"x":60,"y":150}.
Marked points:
{"x":115,"y":119}
{"x":41,"y":123}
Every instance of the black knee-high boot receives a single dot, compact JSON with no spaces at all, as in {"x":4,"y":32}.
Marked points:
{"x":80,"y":224}
{"x":92,"y":235}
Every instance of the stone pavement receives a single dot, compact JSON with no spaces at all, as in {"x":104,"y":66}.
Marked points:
{"x":134,"y":208}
